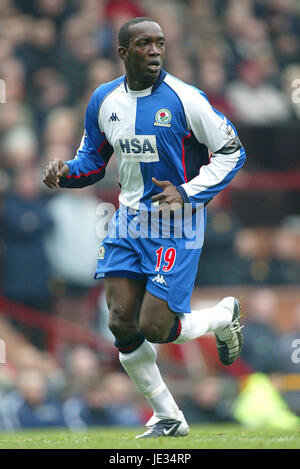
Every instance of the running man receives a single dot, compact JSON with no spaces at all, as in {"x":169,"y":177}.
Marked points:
{"x":172,"y":148}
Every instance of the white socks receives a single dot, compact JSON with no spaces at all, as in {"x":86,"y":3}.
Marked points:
{"x":198,"y":323}
{"x":141,"y":366}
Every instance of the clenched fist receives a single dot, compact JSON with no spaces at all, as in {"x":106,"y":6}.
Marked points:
{"x":53,"y":171}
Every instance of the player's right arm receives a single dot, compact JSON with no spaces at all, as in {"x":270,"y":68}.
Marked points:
{"x":91,"y":159}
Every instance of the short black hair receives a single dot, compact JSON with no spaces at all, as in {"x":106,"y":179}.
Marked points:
{"x":125,"y":34}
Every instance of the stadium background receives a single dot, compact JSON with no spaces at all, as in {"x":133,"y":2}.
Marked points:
{"x":61,"y":367}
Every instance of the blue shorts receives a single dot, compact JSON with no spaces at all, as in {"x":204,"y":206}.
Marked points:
{"x":165,"y":264}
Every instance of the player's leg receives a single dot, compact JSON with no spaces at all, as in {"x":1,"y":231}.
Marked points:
{"x":141,"y":366}
{"x":135,"y":313}
{"x":157,"y":320}
{"x":223,"y":319}
{"x":137,"y":355}
{"x":124,"y":297}
{"x":159,"y":324}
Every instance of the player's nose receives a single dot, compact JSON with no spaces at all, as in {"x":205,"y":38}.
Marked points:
{"x":154,"y":50}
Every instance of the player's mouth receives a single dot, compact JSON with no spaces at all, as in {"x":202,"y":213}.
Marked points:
{"x":154,"y":66}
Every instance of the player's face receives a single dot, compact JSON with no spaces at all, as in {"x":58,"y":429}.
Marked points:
{"x":145,"y":55}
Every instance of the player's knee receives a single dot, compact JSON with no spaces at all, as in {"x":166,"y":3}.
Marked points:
{"x":121,"y":327}
{"x":153,"y":332}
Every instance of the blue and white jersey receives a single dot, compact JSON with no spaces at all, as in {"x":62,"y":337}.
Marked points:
{"x":168,"y":131}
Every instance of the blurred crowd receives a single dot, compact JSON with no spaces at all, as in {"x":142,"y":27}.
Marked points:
{"x":35,"y":392}
{"x":245,"y":55}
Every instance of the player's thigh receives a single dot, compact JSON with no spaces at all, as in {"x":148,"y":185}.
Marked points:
{"x":124,"y":297}
{"x":156,"y":318}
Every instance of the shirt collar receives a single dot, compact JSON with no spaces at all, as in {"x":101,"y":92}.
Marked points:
{"x":147,"y":91}
{"x":139,"y":93}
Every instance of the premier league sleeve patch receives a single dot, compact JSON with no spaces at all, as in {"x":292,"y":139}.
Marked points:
{"x":163,"y":118}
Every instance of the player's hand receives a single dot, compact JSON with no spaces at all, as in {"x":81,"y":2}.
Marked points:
{"x":170,"y":195}
{"x":53,"y":171}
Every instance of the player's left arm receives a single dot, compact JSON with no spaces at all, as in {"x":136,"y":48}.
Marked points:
{"x":220,"y":137}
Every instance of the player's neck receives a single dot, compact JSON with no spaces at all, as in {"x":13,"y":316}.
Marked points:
{"x":138,"y":85}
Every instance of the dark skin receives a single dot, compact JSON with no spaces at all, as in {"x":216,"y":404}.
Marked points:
{"x":144,"y":56}
{"x":53,"y":171}
{"x":132,"y":308}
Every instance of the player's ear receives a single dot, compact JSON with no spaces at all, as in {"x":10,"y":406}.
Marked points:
{"x":123,"y":53}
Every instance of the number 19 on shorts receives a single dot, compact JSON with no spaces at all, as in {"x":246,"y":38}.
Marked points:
{"x":165,"y":259}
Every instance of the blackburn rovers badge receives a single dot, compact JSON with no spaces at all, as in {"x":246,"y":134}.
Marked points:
{"x":101,"y":252}
{"x":163,"y":118}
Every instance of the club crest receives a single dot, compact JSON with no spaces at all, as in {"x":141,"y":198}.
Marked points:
{"x":163,"y":118}
{"x":101,"y":252}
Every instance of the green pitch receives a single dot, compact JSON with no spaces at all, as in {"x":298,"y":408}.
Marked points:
{"x":200,"y":437}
